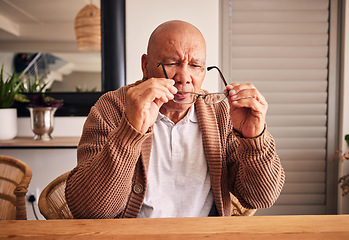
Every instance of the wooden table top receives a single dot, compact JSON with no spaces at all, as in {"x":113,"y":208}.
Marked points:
{"x":242,"y":228}
{"x":29,"y":142}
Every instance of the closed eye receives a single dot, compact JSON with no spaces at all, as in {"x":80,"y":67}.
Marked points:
{"x":197,"y":66}
{"x":171,"y":64}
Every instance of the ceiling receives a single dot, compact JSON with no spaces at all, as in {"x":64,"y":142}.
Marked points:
{"x":42,"y":26}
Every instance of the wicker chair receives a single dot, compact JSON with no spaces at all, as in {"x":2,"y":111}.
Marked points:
{"x":15,"y":177}
{"x":52,"y":202}
{"x":238,"y":209}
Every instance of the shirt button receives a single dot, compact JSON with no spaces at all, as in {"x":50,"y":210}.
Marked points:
{"x":138,"y":188}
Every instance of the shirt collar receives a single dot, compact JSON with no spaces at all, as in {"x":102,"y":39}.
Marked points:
{"x":191,"y":116}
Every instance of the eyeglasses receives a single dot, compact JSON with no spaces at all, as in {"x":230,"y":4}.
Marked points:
{"x":183,"y":97}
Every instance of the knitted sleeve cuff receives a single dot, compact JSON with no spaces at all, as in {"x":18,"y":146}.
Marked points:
{"x":126,"y":135}
{"x":256,"y":143}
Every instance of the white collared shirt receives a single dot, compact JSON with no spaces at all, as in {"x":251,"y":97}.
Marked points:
{"x":178,"y":178}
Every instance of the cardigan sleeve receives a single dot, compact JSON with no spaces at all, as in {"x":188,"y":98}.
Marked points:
{"x":256,"y":174}
{"x":100,"y":185}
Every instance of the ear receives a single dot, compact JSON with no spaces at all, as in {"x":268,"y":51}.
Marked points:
{"x":144,"y":61}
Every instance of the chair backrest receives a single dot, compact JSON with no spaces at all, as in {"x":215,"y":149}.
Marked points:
{"x":15,"y":177}
{"x":238,"y":209}
{"x":52,"y":202}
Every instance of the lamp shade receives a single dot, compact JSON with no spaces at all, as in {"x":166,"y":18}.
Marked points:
{"x":88,"y":28}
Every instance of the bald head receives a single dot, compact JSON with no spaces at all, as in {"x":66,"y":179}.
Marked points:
{"x":172,"y":30}
{"x":181,"y":48}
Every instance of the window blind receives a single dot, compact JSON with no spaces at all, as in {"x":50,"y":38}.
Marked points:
{"x":281,"y":46}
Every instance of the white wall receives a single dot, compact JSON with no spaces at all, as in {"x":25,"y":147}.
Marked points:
{"x":6,"y":60}
{"x":142,"y":17}
{"x":46,"y":164}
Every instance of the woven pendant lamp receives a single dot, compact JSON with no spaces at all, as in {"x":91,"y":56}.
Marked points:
{"x":88,"y":28}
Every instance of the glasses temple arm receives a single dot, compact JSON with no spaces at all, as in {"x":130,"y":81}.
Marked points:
{"x":163,"y":69}
{"x":220,"y":73}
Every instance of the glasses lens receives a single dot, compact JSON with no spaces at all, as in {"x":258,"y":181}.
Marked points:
{"x":213,"y":98}
{"x":184,"y":97}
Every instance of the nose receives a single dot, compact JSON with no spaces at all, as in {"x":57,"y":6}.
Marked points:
{"x":182,"y":75}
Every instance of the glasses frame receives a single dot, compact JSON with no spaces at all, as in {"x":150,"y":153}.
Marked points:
{"x":197,"y":95}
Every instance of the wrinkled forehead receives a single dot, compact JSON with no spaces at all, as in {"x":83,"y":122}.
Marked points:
{"x":180,"y":39}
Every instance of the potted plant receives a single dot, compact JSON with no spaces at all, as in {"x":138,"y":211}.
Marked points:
{"x":344,"y":180}
{"x":9,"y":92}
{"x":42,"y":108}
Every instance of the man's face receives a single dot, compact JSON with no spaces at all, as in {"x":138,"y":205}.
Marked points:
{"x":184,"y":58}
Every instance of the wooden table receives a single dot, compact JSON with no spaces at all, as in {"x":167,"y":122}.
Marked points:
{"x":242,"y":228}
{"x":28,"y":142}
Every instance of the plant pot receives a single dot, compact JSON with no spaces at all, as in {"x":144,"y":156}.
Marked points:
{"x":42,"y":122}
{"x":8,"y":123}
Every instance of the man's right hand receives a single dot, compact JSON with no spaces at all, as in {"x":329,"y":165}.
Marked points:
{"x":144,"y":100}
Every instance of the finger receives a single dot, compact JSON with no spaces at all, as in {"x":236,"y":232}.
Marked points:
{"x":152,"y":88}
{"x":240,"y":86}
{"x":137,"y":101}
{"x":245,"y":92}
{"x":235,"y":88}
{"x":232,"y":85}
{"x":251,"y":103}
{"x":167,"y":83}
{"x":157,"y":95}
{"x":172,"y":88}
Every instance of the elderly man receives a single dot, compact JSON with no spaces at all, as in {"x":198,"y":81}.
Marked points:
{"x":163,"y":147}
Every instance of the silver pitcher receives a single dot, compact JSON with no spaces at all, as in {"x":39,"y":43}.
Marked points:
{"x":42,"y":122}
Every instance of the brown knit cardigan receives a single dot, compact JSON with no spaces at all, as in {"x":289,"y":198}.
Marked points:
{"x":110,"y":178}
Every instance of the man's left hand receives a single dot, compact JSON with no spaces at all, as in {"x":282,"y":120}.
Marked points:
{"x":248,"y":109}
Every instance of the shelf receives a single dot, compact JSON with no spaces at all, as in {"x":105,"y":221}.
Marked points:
{"x":28,"y":142}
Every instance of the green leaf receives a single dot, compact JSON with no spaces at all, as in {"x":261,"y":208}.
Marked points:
{"x":21,"y":98}
{"x":347,"y":139}
{"x":8,"y":88}
{"x":34,"y":85}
